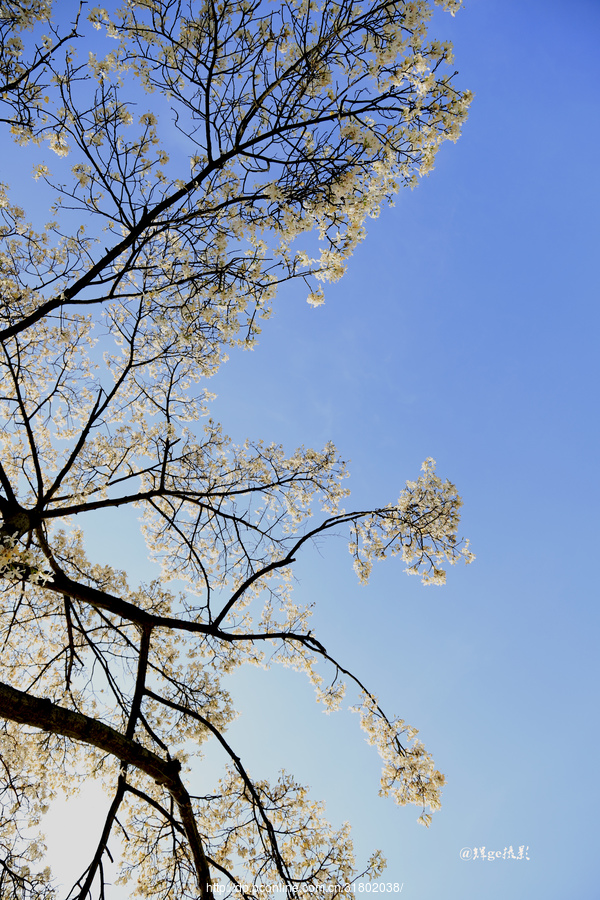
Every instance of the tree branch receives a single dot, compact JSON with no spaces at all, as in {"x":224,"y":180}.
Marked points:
{"x":43,"y":714}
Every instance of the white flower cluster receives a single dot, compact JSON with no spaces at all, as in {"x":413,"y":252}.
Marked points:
{"x":19,"y":563}
{"x":422,"y":527}
{"x":409,"y":774}
{"x":58,"y":143}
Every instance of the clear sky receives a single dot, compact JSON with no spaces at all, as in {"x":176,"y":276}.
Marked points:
{"x":466,"y":329}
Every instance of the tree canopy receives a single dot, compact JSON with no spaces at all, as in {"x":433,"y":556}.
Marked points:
{"x":195,"y":156}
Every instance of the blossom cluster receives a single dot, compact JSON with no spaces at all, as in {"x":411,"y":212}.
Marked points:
{"x":422,"y":527}
{"x":409,"y":774}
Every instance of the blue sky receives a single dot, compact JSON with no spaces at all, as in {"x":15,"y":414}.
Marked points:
{"x":465,"y":329}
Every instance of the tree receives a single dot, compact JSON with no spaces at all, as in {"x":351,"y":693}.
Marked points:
{"x":290,"y":119}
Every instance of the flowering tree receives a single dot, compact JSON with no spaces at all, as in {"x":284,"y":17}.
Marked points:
{"x":172,"y":231}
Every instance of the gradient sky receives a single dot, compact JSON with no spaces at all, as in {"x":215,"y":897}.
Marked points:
{"x":466,"y":329}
